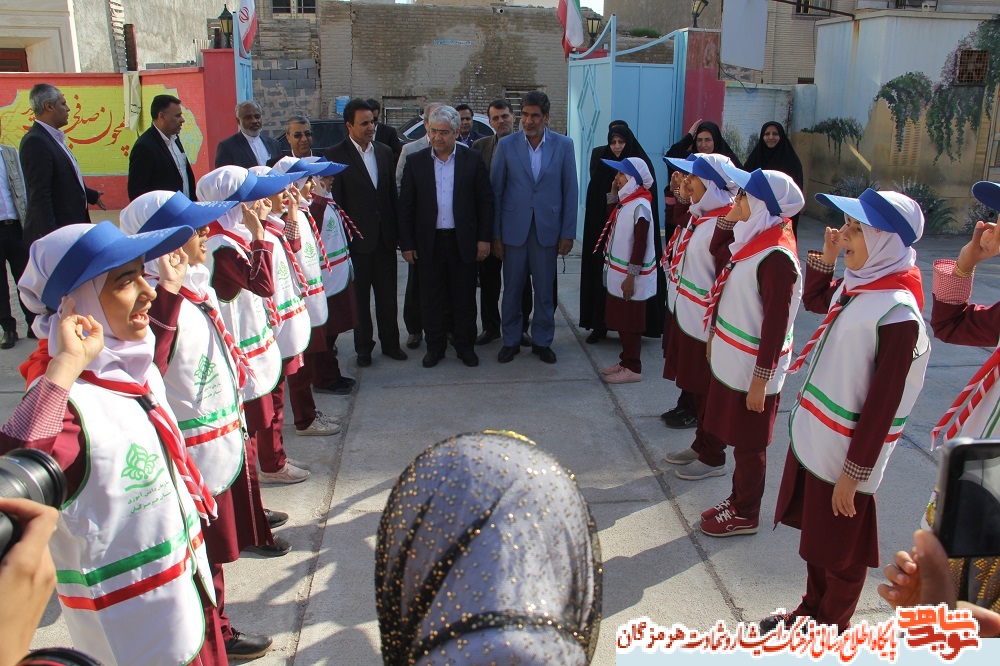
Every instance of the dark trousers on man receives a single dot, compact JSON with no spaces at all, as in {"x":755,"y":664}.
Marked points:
{"x":446,"y":280}
{"x":376,"y":272}
{"x":411,"y":303}
{"x":14,"y":252}
{"x":490,"y":282}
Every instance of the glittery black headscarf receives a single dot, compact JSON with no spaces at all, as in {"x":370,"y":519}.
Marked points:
{"x":487,"y":553}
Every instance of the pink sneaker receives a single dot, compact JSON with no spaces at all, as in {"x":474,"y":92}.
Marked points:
{"x":623,"y":376}
{"x":611,"y":369}
{"x":726,"y":523}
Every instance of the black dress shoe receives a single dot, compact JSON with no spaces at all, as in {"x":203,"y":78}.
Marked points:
{"x":526,"y":340}
{"x":247,"y":646}
{"x":669,"y":414}
{"x":469,"y":358}
{"x":9,"y":337}
{"x":364,"y":359}
{"x":343,"y":386}
{"x":280,"y":547}
{"x":31,"y":334}
{"x":275,"y":518}
{"x":431,"y":359}
{"x":413,"y":340}
{"x":395,"y":354}
{"x":487,"y":337}
{"x":596,"y":336}
{"x":506,"y":354}
{"x":544,"y":353}
{"x":681,"y":419}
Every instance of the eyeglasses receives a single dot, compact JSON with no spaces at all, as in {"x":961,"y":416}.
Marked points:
{"x":299,"y":135}
{"x":440,"y":132}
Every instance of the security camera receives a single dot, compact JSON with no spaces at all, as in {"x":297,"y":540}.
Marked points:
{"x":498,"y":10}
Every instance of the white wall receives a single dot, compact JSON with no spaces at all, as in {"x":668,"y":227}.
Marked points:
{"x":44,"y":29}
{"x":747,"y":108}
{"x":851,"y":66}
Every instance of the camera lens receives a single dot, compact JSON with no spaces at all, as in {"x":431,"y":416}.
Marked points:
{"x":28,"y":474}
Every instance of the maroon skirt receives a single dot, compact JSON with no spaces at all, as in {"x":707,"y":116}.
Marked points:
{"x":805,"y":502}
{"x":624,"y":316}
{"x":727,"y":417}
{"x":685,"y":361}
{"x":343,"y":311}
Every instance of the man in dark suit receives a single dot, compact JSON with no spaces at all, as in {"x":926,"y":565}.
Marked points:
{"x":386,"y":134}
{"x":13,"y":249}
{"x":466,"y":134}
{"x":57,"y":195}
{"x":445,"y":227}
{"x":248,"y":147}
{"x":157,"y":160}
{"x":367,"y":192}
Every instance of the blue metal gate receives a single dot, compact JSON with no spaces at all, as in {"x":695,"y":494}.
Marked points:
{"x":649,"y":97}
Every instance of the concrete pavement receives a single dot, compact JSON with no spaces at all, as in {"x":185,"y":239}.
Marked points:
{"x":318,"y":601}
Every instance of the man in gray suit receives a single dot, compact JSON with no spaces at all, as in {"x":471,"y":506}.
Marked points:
{"x":248,"y":147}
{"x":13,"y":249}
{"x":534,"y":183}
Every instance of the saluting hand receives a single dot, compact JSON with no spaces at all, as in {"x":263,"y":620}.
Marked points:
{"x":173,"y":268}
{"x":78,"y":341}
{"x":985,"y":244}
{"x":251,"y":220}
{"x":832,"y":245}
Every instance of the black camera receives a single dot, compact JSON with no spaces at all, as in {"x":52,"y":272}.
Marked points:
{"x":28,"y":474}
{"x":967,"y":515}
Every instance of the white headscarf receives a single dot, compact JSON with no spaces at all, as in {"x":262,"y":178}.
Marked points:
{"x":715,"y":197}
{"x":119,"y":360}
{"x":136,"y":214}
{"x":886,"y":252}
{"x":219,"y":184}
{"x":632,"y":185}
{"x":285,"y":163}
{"x":790,"y":200}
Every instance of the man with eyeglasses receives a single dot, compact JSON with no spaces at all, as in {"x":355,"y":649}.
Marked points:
{"x":298,"y":131}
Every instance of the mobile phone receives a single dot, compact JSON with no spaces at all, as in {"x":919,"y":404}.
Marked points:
{"x":967,"y":516}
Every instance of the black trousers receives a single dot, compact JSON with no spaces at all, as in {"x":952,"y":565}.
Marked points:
{"x":13,"y":252}
{"x":411,"y":302}
{"x":447,"y":284}
{"x":376,"y":272}
{"x":490,"y":282}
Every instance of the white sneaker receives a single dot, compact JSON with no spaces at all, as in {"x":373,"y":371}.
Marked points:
{"x":684,"y":457}
{"x":699,"y":470}
{"x":287,"y":474}
{"x":320,"y":427}
{"x":296,"y":463}
{"x":324,"y":417}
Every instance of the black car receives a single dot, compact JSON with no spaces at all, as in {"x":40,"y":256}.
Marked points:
{"x":326,"y":134}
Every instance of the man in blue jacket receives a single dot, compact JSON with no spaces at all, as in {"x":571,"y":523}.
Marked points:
{"x":534,"y":183}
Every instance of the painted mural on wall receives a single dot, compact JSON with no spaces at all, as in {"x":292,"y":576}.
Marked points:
{"x":97,"y":132}
{"x":912,"y":109}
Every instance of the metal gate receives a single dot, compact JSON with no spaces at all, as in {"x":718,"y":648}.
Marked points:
{"x":648,"y":96}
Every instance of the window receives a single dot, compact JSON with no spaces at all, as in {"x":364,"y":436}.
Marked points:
{"x":306,"y":6}
{"x":812,"y":7}
{"x":972,"y":67}
{"x":281,"y":6}
{"x":908,"y":154}
{"x":916,"y":4}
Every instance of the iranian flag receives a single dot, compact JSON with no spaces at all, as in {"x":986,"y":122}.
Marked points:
{"x":247,"y":19}
{"x":572,"y":20}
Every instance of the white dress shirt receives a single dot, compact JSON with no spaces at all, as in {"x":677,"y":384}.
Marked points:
{"x":536,"y":155}
{"x":180,"y":160}
{"x":258,"y":148}
{"x":444,"y":180}
{"x":8,"y":211}
{"x":368,"y":157}
{"x":60,"y":138}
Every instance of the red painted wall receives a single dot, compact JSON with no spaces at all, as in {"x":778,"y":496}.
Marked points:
{"x":704,"y":93}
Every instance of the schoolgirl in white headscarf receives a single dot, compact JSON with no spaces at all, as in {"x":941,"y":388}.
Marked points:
{"x":867,"y":366}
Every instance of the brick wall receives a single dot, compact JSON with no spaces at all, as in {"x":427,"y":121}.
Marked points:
{"x":286,"y":76}
{"x":414,"y":53}
{"x":747,"y":108}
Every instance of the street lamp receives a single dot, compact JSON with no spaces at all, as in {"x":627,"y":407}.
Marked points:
{"x":226,"y":19}
{"x":593,"y":27}
{"x":697,"y":7}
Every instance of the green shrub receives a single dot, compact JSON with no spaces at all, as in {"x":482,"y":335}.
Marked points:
{"x":938,"y":215}
{"x":644,"y":32}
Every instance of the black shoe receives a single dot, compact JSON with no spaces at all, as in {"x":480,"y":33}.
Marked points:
{"x":280,"y":547}
{"x":544,"y":353}
{"x":343,"y":386}
{"x":681,"y":419}
{"x":364,"y":359}
{"x":670,"y":413}
{"x":413,"y":340}
{"x":469,"y":358}
{"x":487,"y":337}
{"x":526,"y":340}
{"x":247,"y":646}
{"x":431,"y":359}
{"x":396,"y":354}
{"x":275,"y":518}
{"x":31,"y":334}
{"x":9,"y":337}
{"x":596,"y":336}
{"x":506,"y":354}
{"x":771,"y":622}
